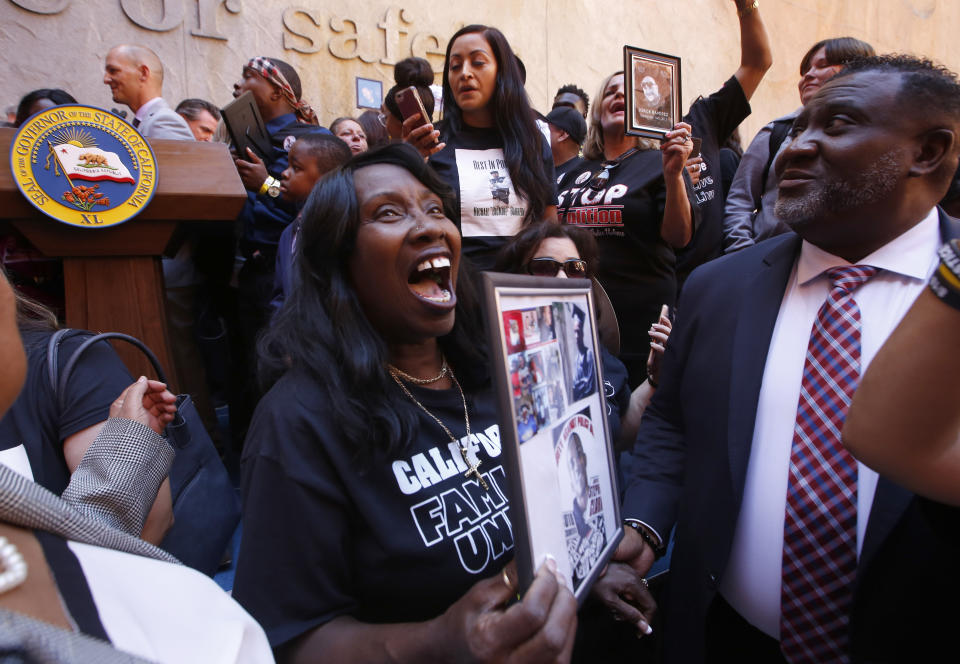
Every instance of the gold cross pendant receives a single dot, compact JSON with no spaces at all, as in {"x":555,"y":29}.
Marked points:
{"x":472,"y":470}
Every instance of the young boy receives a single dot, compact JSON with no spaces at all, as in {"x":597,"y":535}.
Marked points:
{"x":309,"y":159}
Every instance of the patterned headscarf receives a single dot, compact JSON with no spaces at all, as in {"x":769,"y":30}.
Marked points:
{"x":269,"y":71}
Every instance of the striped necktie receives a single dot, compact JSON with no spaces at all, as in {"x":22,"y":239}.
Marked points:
{"x":820,"y":527}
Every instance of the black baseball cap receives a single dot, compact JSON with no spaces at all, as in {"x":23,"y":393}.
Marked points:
{"x":569,"y":120}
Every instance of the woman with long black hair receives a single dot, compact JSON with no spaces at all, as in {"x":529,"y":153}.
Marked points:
{"x":381,"y":414}
{"x":494,"y":156}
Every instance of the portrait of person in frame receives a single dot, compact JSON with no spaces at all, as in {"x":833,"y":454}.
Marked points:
{"x":652,"y":92}
{"x":652,"y":105}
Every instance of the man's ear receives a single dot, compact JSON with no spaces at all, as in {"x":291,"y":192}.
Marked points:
{"x":144,"y":72}
{"x":562,"y":136}
{"x":935,"y":146}
{"x":276,"y":94}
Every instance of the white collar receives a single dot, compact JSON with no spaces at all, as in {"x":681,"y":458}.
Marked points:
{"x":144,"y":110}
{"x":908,"y":254}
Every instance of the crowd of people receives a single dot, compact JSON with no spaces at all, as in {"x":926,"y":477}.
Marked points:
{"x":750,"y":291}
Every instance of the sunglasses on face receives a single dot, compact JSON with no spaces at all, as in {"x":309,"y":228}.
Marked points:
{"x":575,"y":268}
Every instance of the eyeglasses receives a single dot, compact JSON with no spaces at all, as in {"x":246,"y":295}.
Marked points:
{"x":382,"y":119}
{"x":601,"y":177}
{"x":575,"y":268}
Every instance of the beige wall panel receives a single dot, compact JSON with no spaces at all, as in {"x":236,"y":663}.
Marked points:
{"x":62,"y":43}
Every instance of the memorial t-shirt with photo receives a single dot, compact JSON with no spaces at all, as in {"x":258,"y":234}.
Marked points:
{"x":489,"y":209}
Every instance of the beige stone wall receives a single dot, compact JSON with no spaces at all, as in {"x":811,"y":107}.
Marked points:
{"x":204,"y":43}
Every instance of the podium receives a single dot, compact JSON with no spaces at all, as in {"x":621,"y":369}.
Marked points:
{"x":113,"y":276}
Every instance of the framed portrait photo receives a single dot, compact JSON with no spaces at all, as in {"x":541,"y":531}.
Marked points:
{"x":369,"y":93}
{"x":553,"y":425}
{"x":651,"y":91}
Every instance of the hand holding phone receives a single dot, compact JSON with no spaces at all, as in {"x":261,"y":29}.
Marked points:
{"x":417,"y":129}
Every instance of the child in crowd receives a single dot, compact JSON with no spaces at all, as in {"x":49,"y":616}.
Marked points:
{"x":310,"y":158}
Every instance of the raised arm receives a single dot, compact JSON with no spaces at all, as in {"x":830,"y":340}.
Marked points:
{"x":677,"y":226}
{"x":755,"y":55}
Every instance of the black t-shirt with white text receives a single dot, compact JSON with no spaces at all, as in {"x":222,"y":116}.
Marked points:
{"x":489,"y":209}
{"x":36,"y":426}
{"x":636,"y":264}
{"x":567,"y":166}
{"x":399,"y":539}
{"x":713,"y":119}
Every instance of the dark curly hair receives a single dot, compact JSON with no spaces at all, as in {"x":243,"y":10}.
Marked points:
{"x":573,"y":89}
{"x":927,"y":86}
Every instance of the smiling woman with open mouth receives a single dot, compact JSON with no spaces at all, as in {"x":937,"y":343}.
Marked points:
{"x":379,"y":430}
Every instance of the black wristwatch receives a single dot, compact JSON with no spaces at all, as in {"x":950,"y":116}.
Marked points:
{"x":659,"y":551}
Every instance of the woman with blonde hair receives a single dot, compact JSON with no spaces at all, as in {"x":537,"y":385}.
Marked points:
{"x":638,"y":202}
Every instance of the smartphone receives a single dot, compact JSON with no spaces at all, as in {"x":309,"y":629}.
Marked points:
{"x":697,"y":142}
{"x":410,"y":104}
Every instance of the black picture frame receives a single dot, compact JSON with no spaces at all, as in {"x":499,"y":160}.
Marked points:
{"x":246,"y":127}
{"x":651,"y":92}
{"x":559,"y":456}
{"x":369,"y":93}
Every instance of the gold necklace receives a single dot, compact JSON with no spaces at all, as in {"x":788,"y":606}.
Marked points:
{"x":472,"y":466}
{"x":395,"y":371}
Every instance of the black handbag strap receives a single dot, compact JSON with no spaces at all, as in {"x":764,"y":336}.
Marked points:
{"x":60,"y":382}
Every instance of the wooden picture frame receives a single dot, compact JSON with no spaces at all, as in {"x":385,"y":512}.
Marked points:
{"x":556,"y":442}
{"x":651,"y":83}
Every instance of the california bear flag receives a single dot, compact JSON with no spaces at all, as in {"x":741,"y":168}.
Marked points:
{"x":92,"y":164}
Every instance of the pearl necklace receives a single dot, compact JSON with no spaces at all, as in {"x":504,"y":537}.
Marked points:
{"x":14,"y":566}
{"x":472,"y":465}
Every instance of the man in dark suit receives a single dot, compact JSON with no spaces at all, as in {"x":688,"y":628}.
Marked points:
{"x":722,"y":453}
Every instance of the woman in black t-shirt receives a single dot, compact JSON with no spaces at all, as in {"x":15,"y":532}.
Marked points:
{"x":376,"y":519}
{"x":494,"y":156}
{"x":638,"y":203}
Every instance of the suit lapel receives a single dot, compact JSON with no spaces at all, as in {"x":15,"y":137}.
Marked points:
{"x":759,"y":308}
{"x":891,"y":500}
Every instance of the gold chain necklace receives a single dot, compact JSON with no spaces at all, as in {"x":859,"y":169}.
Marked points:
{"x":472,"y":466}
{"x":444,"y":370}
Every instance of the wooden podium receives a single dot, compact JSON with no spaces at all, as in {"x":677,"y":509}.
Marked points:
{"x":113,"y":276}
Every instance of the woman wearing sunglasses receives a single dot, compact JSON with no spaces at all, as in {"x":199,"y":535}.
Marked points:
{"x":551,"y":250}
{"x":638,"y":201}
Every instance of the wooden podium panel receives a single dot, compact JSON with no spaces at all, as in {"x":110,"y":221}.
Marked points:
{"x":113,"y":276}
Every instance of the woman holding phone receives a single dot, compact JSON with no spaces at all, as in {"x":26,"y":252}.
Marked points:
{"x":492,"y":154}
{"x":415,"y":73}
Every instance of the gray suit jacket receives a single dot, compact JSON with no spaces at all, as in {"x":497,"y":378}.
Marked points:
{"x":164,"y":122}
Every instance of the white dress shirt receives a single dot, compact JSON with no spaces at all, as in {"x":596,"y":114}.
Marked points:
{"x":752,"y":581}
{"x":144,"y":110}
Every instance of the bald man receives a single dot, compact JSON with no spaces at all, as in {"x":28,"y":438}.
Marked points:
{"x":135,"y":77}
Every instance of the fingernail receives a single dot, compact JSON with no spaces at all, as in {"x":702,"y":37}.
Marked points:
{"x":142,"y":379}
{"x":551,"y":563}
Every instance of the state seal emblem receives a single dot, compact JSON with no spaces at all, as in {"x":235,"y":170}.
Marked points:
{"x":83,"y":166}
